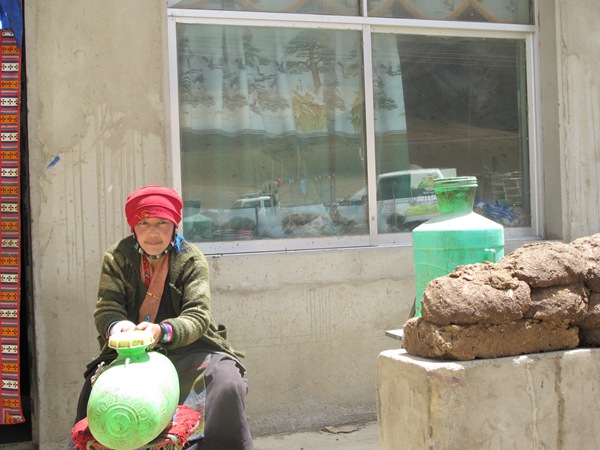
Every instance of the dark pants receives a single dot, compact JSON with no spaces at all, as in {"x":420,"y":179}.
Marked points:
{"x":226,"y":426}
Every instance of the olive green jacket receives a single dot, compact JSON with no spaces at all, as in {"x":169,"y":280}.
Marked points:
{"x":122,"y":291}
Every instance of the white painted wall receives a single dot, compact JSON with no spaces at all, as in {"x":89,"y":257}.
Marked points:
{"x":312,"y":323}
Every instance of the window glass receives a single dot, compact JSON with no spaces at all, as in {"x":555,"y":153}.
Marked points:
{"x":271,"y":132}
{"x":449,"y":106}
{"x":337,"y":7}
{"x":274,"y":142}
{"x":498,"y":11}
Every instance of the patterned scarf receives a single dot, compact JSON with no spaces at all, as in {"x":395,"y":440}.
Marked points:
{"x":154,"y":278}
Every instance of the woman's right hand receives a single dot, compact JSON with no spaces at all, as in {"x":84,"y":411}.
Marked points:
{"x":121,"y":326}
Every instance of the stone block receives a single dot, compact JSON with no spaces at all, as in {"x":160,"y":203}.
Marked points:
{"x":535,"y":401}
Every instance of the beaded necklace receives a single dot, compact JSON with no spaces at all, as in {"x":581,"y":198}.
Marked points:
{"x":146,"y":257}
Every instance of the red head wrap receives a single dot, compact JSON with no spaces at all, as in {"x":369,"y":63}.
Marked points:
{"x":153,"y":201}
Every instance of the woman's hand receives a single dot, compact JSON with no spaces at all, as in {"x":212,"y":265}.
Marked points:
{"x":120,"y":327}
{"x":155,"y":329}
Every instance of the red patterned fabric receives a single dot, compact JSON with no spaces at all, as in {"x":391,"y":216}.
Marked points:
{"x":153,"y":201}
{"x":185,"y":421}
{"x":10,"y":230}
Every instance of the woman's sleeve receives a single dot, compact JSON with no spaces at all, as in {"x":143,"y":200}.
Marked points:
{"x":111,"y":305}
{"x":195,"y":318}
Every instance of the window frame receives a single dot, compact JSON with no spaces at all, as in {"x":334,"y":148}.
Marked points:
{"x":367,"y":26}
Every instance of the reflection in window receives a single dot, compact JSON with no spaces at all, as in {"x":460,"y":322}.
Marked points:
{"x":462,"y":103}
{"x":273,"y":139}
{"x":335,"y":7}
{"x":271,"y":131}
{"x":495,"y":11}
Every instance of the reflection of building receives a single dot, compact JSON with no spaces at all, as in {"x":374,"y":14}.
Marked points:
{"x":285,"y":305}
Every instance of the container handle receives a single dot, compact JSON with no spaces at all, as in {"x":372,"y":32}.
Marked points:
{"x":490,"y":255}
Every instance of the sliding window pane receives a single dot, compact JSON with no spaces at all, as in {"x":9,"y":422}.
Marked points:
{"x":450,"y":107}
{"x":494,"y":11}
{"x":331,"y":7}
{"x":271,"y":131}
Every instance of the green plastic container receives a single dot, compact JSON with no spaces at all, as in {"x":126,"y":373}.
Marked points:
{"x":135,"y":398}
{"x":457,"y":236}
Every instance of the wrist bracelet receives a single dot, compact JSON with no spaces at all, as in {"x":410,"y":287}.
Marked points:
{"x":167,"y":332}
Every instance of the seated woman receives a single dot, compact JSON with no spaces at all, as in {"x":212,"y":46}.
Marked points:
{"x":155,"y":280}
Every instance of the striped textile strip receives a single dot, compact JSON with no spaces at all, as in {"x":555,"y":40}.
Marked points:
{"x":10,"y":228}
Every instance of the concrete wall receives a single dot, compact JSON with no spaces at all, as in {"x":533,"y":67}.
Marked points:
{"x":96,"y":95}
{"x":578,"y":44}
{"x":312,"y":323}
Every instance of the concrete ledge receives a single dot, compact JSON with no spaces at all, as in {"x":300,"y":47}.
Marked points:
{"x":535,"y":401}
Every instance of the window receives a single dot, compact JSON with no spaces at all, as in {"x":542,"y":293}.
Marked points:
{"x":458,"y":108}
{"x":320,"y":128}
{"x":336,"y":7}
{"x":494,"y":11}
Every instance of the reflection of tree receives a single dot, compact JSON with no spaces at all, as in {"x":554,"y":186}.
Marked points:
{"x":313,"y":54}
{"x":263,"y":87}
{"x":238,"y":69}
{"x":252,"y":55}
{"x":312,"y":50}
{"x":381,"y":99}
{"x":231,"y":93}
{"x":269,"y":101}
{"x":192,"y":79}
{"x":281,"y":84}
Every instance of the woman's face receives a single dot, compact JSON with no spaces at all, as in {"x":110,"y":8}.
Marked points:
{"x":154,"y":235}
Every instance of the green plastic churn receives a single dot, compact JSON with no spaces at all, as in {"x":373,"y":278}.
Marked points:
{"x":134,"y":398}
{"x":455,"y":237}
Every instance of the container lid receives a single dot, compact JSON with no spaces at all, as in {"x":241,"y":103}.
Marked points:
{"x":131,"y":339}
{"x":454,"y":182}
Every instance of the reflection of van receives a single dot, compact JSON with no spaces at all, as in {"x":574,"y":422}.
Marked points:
{"x":405,"y":198}
{"x":408,"y":184}
{"x":408,"y":196}
{"x":260,"y":202}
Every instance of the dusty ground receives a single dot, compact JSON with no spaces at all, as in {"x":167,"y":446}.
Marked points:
{"x":350,"y":437}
